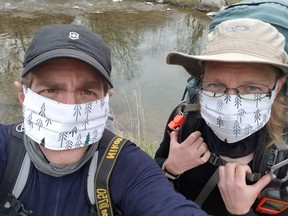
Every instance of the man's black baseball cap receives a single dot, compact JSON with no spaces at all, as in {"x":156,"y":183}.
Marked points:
{"x":68,"y":41}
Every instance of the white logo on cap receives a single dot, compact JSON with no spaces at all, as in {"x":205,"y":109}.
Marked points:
{"x":237,"y":28}
{"x":73,"y":35}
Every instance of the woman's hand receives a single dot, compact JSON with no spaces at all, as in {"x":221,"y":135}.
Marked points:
{"x":237,"y":195}
{"x":187,"y":155}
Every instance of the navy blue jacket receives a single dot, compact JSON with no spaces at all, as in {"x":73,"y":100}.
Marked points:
{"x":137,"y":185}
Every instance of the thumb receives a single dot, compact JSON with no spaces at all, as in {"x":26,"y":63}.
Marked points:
{"x":173,"y":138}
{"x":263,"y":182}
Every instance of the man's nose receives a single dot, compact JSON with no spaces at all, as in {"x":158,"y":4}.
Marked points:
{"x":69,"y":98}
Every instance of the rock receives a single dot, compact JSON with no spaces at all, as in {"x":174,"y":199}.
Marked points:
{"x":211,"y":5}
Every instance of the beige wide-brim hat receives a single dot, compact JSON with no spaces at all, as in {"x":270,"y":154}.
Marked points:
{"x":241,"y":41}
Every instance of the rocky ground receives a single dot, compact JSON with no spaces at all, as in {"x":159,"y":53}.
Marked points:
{"x":190,"y":3}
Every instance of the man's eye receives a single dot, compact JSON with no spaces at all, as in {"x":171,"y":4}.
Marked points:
{"x":87,"y":92}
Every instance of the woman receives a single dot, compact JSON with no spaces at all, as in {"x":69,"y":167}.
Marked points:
{"x":242,"y":113}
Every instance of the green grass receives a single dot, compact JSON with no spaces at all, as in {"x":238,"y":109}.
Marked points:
{"x":133,"y":126}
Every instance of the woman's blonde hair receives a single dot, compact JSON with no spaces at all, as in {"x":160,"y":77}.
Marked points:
{"x":278,"y":120}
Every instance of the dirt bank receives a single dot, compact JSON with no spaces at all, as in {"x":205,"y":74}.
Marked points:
{"x":191,"y":3}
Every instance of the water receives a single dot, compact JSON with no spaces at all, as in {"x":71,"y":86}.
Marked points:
{"x":140,"y":37}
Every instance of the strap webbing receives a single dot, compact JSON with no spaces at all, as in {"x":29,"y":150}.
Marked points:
{"x":102,"y":194}
{"x":210,"y":185}
{"x":16,"y":154}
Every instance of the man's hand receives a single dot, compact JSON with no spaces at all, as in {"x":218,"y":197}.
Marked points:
{"x":237,"y":195}
{"x":187,"y":155}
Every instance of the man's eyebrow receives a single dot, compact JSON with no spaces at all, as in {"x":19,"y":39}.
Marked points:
{"x":94,"y":83}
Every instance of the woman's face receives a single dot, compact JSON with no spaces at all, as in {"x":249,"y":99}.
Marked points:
{"x":233,"y":75}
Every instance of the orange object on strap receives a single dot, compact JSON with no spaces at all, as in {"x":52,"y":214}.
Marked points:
{"x":177,"y":121}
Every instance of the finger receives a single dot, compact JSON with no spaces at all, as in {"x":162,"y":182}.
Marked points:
{"x":205,"y":157}
{"x":190,"y":140}
{"x":202,"y":147}
{"x":241,"y":170}
{"x":263,"y":182}
{"x":229,"y":173}
{"x":221,"y":173}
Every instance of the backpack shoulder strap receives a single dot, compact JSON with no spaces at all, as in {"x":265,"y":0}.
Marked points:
{"x":16,"y":172}
{"x":99,"y":171}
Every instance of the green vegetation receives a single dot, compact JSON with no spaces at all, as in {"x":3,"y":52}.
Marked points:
{"x":135,"y":125}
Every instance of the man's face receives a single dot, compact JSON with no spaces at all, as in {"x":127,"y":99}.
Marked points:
{"x":68,"y":81}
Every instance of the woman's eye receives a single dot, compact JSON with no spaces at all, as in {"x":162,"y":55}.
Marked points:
{"x":248,"y":89}
{"x":50,"y":91}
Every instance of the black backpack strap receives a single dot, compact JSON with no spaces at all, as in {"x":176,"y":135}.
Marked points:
{"x":16,"y":172}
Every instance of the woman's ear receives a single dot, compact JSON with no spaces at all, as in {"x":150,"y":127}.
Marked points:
{"x":19,"y":90}
{"x":281,"y":82}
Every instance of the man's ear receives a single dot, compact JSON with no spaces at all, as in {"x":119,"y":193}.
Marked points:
{"x":19,"y":90}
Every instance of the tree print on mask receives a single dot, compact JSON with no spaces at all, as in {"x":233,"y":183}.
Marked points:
{"x":88,"y":109}
{"x":42,"y":110}
{"x":220,"y":122}
{"x":227,"y":98}
{"x":248,"y":129}
{"x":62,"y":138}
{"x":48,"y":121}
{"x":39,"y":123}
{"x":84,"y":124}
{"x":30,"y":123}
{"x":87,"y":139}
{"x":237,"y":102}
{"x":240,"y":114}
{"x":219,"y":105}
{"x":78,"y":141}
{"x":257,"y":116}
{"x":257,"y":99}
{"x":95,"y":136}
{"x":102,"y":103}
{"x":236,"y":128}
{"x":77,"y":112}
{"x":68,"y":144}
{"x":73,"y":132}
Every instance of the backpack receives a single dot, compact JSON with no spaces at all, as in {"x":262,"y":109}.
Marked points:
{"x":270,"y":11}
{"x":18,"y":171}
{"x":271,"y":160}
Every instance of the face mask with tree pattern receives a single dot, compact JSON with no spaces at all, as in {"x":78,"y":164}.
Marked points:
{"x":232,"y":118}
{"x":60,"y":126}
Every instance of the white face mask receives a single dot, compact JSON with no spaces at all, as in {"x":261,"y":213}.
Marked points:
{"x":61,"y":126}
{"x":233,"y":119}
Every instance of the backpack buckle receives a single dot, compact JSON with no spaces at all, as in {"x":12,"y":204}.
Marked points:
{"x":18,"y":206}
{"x":216,"y":160}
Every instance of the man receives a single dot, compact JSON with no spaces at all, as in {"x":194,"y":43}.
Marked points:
{"x":65,"y":91}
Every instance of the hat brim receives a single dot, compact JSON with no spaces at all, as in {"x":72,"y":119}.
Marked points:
{"x":67,"y":53}
{"x":193,"y":63}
